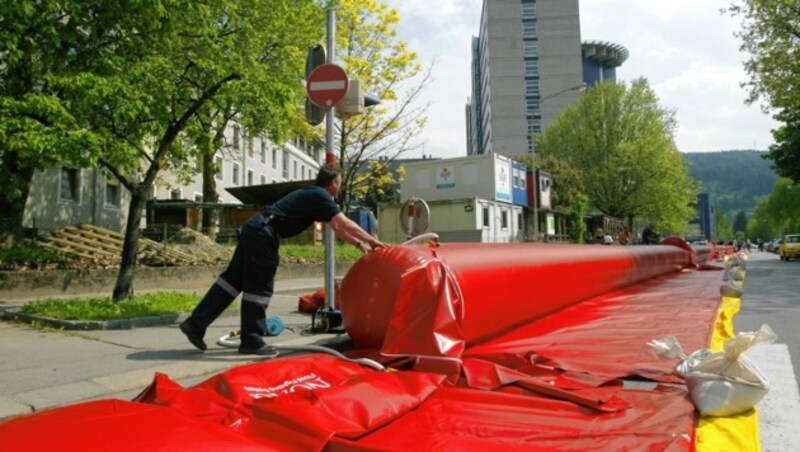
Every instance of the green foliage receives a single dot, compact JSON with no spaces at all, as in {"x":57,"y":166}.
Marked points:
{"x":30,"y":255}
{"x":368,"y":45}
{"x":311,"y":253}
{"x":740,"y":222}
{"x":374,"y":185}
{"x":577,"y":225}
{"x":783,"y":207}
{"x":760,"y":225}
{"x":621,"y":142}
{"x":150,"y":304}
{"x":568,"y":190}
{"x":735,"y":180}
{"x":786,"y":150}
{"x":769,"y":34}
{"x":724,"y":231}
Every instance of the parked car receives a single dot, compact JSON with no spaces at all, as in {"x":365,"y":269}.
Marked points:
{"x":772,"y":245}
{"x":790,"y":248}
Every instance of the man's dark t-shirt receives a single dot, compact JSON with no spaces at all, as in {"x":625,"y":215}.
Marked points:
{"x":298,"y":210}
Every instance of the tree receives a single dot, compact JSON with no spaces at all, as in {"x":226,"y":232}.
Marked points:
{"x":621,"y":141}
{"x":760,"y":225}
{"x":740,"y":222}
{"x":785,"y":153}
{"x":771,"y":36}
{"x":265,"y":103}
{"x":724,"y":231}
{"x":568,"y":190}
{"x":40,"y":43}
{"x":154,"y":67}
{"x":375,"y":185}
{"x":368,"y":46}
{"x":783,"y":206}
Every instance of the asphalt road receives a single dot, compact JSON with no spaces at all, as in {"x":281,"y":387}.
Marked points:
{"x":772,"y":296}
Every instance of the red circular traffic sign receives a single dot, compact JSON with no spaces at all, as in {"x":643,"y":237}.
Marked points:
{"x":327,"y":85}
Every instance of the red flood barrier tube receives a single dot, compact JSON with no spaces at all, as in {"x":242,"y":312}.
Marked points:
{"x":436,"y":300}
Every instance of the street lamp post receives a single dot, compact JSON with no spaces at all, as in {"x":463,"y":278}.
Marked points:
{"x":538,"y":186}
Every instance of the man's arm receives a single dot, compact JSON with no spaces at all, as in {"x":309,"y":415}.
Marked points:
{"x":347,"y":230}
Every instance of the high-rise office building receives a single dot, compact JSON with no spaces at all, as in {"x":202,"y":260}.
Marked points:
{"x":526,"y":66}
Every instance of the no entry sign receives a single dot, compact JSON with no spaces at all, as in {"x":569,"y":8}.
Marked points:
{"x":327,"y":85}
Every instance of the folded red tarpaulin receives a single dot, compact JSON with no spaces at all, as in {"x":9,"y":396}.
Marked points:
{"x":301,"y":402}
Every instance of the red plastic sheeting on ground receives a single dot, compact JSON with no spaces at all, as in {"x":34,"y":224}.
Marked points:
{"x":547,"y":383}
{"x":437,"y":300}
{"x":470,"y":420}
{"x":120,"y":426}
{"x":607,"y":335}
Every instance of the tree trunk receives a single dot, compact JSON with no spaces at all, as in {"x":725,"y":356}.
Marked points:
{"x":210,"y":216}
{"x":130,"y":247}
{"x":12,"y":210}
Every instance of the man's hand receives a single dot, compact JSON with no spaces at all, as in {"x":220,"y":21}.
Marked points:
{"x":368,"y":247}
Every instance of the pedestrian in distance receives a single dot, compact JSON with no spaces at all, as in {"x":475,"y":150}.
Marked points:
{"x":650,"y":236}
{"x":625,"y":237}
{"x":255,"y":260}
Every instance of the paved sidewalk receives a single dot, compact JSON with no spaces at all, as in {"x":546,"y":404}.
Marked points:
{"x":43,"y":369}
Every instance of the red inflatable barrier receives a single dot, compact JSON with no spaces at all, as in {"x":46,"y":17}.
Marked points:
{"x":434,"y":300}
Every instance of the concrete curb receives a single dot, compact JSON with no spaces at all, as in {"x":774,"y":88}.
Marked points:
{"x":90,"y":325}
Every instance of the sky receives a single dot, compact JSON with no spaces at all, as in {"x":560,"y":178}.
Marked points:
{"x":684,"y":48}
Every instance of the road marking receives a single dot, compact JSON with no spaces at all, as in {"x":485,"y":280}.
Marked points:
{"x":779,"y":410}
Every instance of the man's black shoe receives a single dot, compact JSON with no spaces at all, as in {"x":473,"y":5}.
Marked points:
{"x":196,"y":340}
{"x":265,"y":350}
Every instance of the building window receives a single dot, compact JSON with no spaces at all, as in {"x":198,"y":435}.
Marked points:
{"x":530,"y":49}
{"x":528,"y":10}
{"x":249,"y":177}
{"x":198,"y":197}
{"x":531,"y":67}
{"x":113,"y":192}
{"x":250,"y":146}
{"x":175,"y":193}
{"x":263,"y":179}
{"x":235,"y":174}
{"x":218,"y":164}
{"x":528,"y":29}
{"x":264,"y":152}
{"x":504,"y":219}
{"x":302,"y":171}
{"x":70,"y":184}
{"x":294,"y":170}
{"x":274,"y":158}
{"x":285,"y":164}
{"x":236,"y":137}
{"x":485,"y":216}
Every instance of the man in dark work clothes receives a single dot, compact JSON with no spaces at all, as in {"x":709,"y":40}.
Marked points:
{"x":251,"y":271}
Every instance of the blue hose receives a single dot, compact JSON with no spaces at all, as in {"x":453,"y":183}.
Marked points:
{"x":275,"y":325}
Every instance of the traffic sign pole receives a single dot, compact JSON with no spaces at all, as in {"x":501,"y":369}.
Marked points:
{"x":330,"y":159}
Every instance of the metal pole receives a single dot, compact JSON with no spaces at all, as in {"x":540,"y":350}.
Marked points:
{"x":330,"y":268}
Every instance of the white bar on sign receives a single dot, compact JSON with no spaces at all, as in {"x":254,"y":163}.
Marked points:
{"x":325,"y":86}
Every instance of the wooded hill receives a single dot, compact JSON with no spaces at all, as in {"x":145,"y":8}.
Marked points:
{"x":735,"y":180}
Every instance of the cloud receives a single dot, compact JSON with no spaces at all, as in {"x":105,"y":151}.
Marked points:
{"x":685,"y":48}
